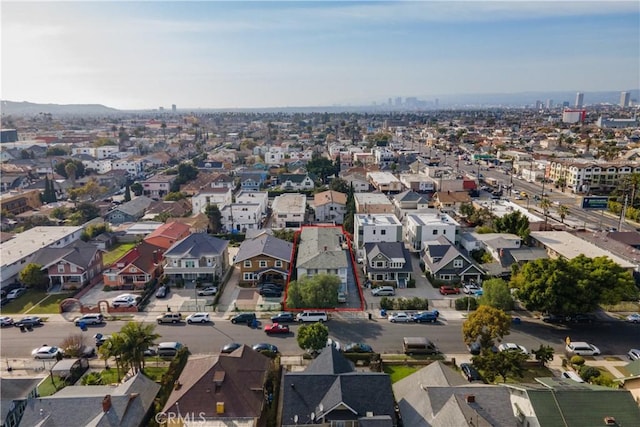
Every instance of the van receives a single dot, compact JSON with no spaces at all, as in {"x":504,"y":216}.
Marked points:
{"x":418,"y":345}
{"x":312,"y":316}
{"x":383,"y":291}
{"x":168,"y":349}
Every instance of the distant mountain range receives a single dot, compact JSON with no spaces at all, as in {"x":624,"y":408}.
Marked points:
{"x":427,"y":103}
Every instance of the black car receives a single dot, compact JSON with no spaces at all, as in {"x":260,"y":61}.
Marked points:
{"x":470,"y":372}
{"x":358,"y":347}
{"x":270,"y":287}
{"x":475,"y":348}
{"x":553,"y":318}
{"x":28,"y":321}
{"x":101,"y":339}
{"x":580,"y":318}
{"x":283,"y":317}
{"x":162,"y":291}
{"x":264,"y":347}
{"x":230,"y":348}
{"x":270,"y":293}
{"x":243,"y":318}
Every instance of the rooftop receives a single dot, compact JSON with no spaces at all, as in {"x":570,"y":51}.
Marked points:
{"x":28,"y":242}
{"x":428,"y":218}
{"x":376,"y":219}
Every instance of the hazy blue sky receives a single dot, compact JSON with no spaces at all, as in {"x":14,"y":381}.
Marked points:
{"x":300,"y":53}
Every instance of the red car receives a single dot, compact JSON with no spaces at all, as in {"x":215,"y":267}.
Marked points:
{"x":449,"y":290}
{"x":276,"y":328}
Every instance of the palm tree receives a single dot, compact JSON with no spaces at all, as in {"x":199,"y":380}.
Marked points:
{"x":545,"y":204}
{"x":164,"y":130}
{"x":70,"y":168}
{"x":138,"y":337}
{"x":563,"y":211}
{"x":114,"y":347}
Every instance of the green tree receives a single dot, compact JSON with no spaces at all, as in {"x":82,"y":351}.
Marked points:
{"x":319,"y":291}
{"x":486,"y":325}
{"x":321,"y":167}
{"x":172,"y":197}
{"x":215,"y":218}
{"x":127,"y":193}
{"x":544,"y":354}
{"x":137,"y":188}
{"x":504,"y":363}
{"x":137,"y":337}
{"x":71,"y":170}
{"x":284,"y":234}
{"x":114,"y":347}
{"x":33,"y":276}
{"x":513,"y":223}
{"x":563,"y":211}
{"x":545,"y":204}
{"x":312,"y":338}
{"x":496,"y":294}
{"x":467,"y":210}
{"x":568,"y":287}
{"x":340,"y":185}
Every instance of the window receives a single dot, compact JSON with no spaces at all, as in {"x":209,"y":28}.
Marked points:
{"x":263,"y":263}
{"x":60,"y":268}
{"x":247,"y":264}
{"x":247,"y":276}
{"x":435,"y":232}
{"x":133,"y":270}
{"x":278,"y":263}
{"x":74,"y":269}
{"x":190,"y":264}
{"x":383,"y":232}
{"x":457,"y":263}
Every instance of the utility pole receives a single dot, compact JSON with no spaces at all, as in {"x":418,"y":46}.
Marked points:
{"x":622,"y":214}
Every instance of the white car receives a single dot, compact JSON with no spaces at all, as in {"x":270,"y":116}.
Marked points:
{"x":509,"y":346}
{"x":211,"y":290}
{"x":16,"y":293}
{"x":582,"y":349}
{"x":400,"y":317}
{"x":46,"y":352}
{"x":125,"y":300}
{"x":634,"y":354}
{"x":471,"y":289}
{"x":198,"y":318}
{"x":6,"y":321}
{"x":634,"y":318}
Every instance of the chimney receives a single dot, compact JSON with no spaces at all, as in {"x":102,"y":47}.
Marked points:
{"x":106,"y":403}
{"x":471,"y":398}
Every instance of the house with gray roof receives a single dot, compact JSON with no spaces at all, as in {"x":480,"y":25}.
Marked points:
{"x":388,"y":262}
{"x":72,"y":266}
{"x":331,"y":391}
{"x":264,"y":259}
{"x":445,"y":262}
{"x":197,"y":256}
{"x":322,"y":250}
{"x":295,"y":181}
{"x":438,"y":396}
{"x":130,"y":211}
{"x":129,"y":404}
{"x":14,"y":393}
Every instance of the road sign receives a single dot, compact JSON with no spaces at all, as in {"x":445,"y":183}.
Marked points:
{"x":595,"y":203}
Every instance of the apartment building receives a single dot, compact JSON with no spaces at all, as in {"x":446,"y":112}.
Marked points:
{"x":211,"y":196}
{"x":288,"y":210}
{"x":373,"y":203}
{"x":584,"y":177}
{"x":385,"y":182}
{"x":330,"y":206}
{"x":424,"y":227}
{"x":373,"y":228}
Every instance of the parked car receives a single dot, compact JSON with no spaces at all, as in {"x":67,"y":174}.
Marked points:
{"x":272,"y":286}
{"x":634,"y":354}
{"x":426,"y":316}
{"x":28,"y":321}
{"x":400,"y":317}
{"x":100,"y":339}
{"x":276,"y":328}
{"x":270,"y":293}
{"x":168,"y":349}
{"x":265,"y":347}
{"x":475,"y":348}
{"x":46,"y":352}
{"x":342,"y":297}
{"x":553,"y":318}
{"x":169,"y":317}
{"x":162,"y":292}
{"x":470,"y":289}
{"x":243,"y":318}
{"x":383,"y":291}
{"x":470,"y":372}
{"x":198,"y":318}
{"x":449,"y":290}
{"x":357,"y":347}
{"x":209,"y":291}
{"x":6,"y":321}
{"x":580,"y":348}
{"x":89,"y":319}
{"x":283,"y":317}
{"x":125,"y":300}
{"x":16,"y":293}
{"x":581,"y":318}
{"x":510,"y":346}
{"x":634,"y":318}
{"x":230,"y":348}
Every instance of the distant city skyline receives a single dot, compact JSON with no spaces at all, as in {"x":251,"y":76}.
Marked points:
{"x":208,"y":54}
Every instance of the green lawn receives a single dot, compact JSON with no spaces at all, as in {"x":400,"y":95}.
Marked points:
{"x":116,"y":252}
{"x":35,"y":302}
{"x":110,"y":376}
{"x":398,"y":372}
{"x":46,"y":388}
{"x":529,"y":374}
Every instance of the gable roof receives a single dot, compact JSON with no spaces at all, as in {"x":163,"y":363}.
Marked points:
{"x":391,"y":250}
{"x":78,"y":253}
{"x":265,"y":244}
{"x":321,"y":247}
{"x":170,"y":231}
{"x":293,"y":177}
{"x":236,"y":379}
{"x":327,"y":197}
{"x":197,"y":245}
{"x":145,"y":257}
{"x":446,"y":251}
{"x":330,"y":361}
{"x":14,"y":389}
{"x":135,"y":206}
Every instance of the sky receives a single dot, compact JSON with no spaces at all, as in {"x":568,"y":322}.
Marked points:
{"x":241,"y":54}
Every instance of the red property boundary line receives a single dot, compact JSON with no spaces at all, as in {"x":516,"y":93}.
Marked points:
{"x":296,"y":240}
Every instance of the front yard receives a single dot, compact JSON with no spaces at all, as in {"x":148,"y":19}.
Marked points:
{"x":35,"y":302}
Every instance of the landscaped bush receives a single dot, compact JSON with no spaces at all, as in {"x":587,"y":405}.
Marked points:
{"x":414,"y":303}
{"x":589,"y":372}
{"x":577,"y":360}
{"x":465,"y":303}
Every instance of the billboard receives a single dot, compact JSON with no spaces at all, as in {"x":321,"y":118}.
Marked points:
{"x":595,"y":202}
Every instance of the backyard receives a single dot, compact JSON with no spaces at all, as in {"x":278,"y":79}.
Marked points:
{"x":116,"y":253}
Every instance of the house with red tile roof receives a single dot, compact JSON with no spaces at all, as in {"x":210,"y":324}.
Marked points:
{"x":135,"y":268}
{"x":167,"y":234}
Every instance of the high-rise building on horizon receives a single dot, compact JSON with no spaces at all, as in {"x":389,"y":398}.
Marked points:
{"x":173,"y":108}
{"x":624,"y":99}
{"x":579,"y":99}
{"x":549,"y":104}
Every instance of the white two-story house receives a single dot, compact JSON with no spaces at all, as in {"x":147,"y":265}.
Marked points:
{"x":427,"y":226}
{"x":289,"y":210}
{"x":330,"y":206}
{"x":211,"y":196}
{"x":374,"y":228}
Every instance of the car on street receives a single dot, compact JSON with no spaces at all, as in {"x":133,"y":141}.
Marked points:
{"x":634,"y":318}
{"x":284,"y":317}
{"x":581,"y":318}
{"x":89,"y":319}
{"x":400,"y":317}
{"x":243,"y":318}
{"x":634,"y":354}
{"x":209,"y":291}
{"x":125,"y":300}
{"x":6,"y":321}
{"x":169,"y":317}
{"x":276,"y":328}
{"x":100,"y":339}
{"x":46,"y":352}
{"x":470,"y":372}
{"x":426,"y":317}
{"x":580,"y":348}
{"x":264,"y":347}
{"x":162,"y":292}
{"x":553,"y":318}
{"x":470,"y":289}
{"x":16,"y":293}
{"x":357,"y":347}
{"x":449,"y":290}
{"x":510,"y":346}
{"x":198,"y":318}
{"x":28,"y":321}
{"x":231,"y":347}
